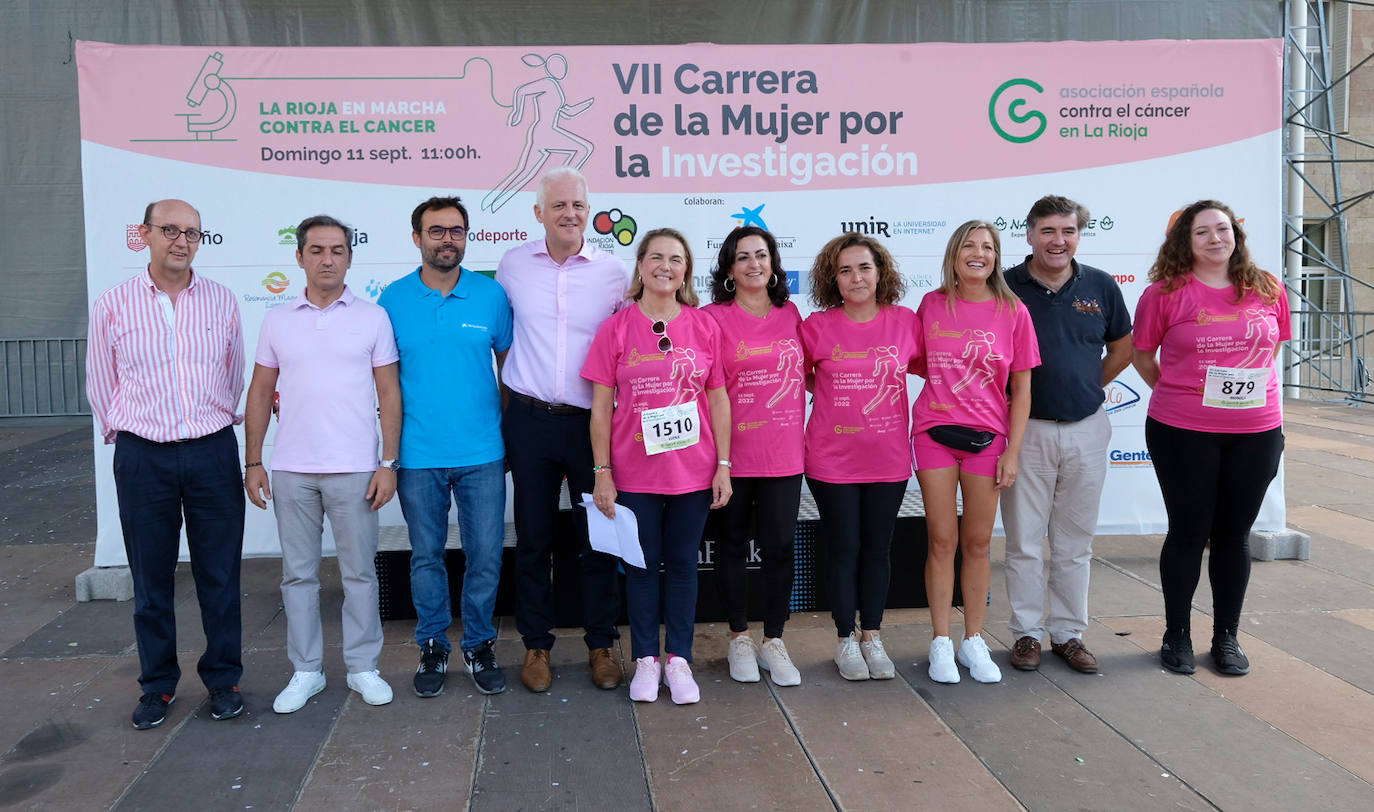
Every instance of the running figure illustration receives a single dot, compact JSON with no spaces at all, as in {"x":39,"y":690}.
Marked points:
{"x":545,"y":135}
{"x":889,"y":371}
{"x":979,"y":352}
{"x":790,"y":365}
{"x":685,"y":374}
{"x":1258,"y":328}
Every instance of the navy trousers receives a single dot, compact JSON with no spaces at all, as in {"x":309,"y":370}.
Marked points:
{"x":158,"y":483}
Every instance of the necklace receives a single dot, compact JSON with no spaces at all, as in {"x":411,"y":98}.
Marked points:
{"x":753,"y":311}
{"x":655,"y":317}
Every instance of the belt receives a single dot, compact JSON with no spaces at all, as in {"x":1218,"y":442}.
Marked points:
{"x":551,"y":408}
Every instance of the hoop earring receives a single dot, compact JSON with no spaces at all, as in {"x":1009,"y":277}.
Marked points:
{"x":773,"y":280}
{"x":729,"y":284}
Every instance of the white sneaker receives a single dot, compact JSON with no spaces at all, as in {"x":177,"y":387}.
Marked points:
{"x":974,"y":655}
{"x":773,"y":659}
{"x":850,"y":661}
{"x":743,"y":658}
{"x":644,"y":684}
{"x":371,"y":686}
{"x":875,"y":657}
{"x":303,"y":685}
{"x":942,"y":667}
{"x":677,"y":675}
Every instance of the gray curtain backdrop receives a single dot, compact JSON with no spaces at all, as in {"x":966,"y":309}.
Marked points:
{"x":42,"y":242}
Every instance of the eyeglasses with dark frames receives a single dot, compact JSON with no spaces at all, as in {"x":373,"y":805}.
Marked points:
{"x":660,"y":328}
{"x":193,"y":235}
{"x":438,"y":232}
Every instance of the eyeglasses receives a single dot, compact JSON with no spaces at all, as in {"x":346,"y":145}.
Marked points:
{"x":438,"y":232}
{"x":193,"y":235}
{"x":665,"y":344}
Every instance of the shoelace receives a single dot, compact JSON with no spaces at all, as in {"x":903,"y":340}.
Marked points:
{"x":875,"y":647}
{"x":1229,"y":646}
{"x":677,"y":670}
{"x":779,"y":651}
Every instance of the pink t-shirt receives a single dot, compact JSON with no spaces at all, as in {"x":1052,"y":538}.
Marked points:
{"x":966,"y":358}
{"x":1196,"y":327}
{"x":762,"y":358}
{"x":327,"y":395}
{"x":858,"y":426}
{"x":625,"y":356}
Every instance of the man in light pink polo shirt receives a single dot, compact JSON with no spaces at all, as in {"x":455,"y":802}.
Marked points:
{"x":331,"y":359}
{"x":561,"y":288}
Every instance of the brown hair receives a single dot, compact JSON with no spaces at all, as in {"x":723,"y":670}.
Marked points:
{"x":685,"y":294}
{"x":826,"y":293}
{"x":1175,"y":259}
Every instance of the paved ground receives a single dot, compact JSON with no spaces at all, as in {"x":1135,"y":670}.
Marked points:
{"x":1294,"y":734}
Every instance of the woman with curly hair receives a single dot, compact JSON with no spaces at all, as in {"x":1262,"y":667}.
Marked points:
{"x":858,"y":462}
{"x":760,"y":333}
{"x":1207,"y":331}
{"x":974,"y":337}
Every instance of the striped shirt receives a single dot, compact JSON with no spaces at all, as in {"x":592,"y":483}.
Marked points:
{"x":165,"y":373}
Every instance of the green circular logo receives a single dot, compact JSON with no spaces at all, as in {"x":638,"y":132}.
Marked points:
{"x":1014,"y":113}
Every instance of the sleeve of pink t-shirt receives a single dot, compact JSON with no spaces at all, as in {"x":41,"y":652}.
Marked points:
{"x":265,"y":354}
{"x":1025,"y":345}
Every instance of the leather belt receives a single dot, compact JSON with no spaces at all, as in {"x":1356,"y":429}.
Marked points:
{"x":551,"y":408}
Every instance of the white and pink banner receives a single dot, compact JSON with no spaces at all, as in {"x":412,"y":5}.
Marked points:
{"x":900,"y":141}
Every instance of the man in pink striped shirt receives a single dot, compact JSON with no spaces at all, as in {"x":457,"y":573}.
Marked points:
{"x":164,"y":372}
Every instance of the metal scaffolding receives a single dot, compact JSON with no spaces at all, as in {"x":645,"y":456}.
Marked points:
{"x":1327,"y":358}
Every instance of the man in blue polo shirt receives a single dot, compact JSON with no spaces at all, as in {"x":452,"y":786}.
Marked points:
{"x":1079,"y":315}
{"x":449,"y":323}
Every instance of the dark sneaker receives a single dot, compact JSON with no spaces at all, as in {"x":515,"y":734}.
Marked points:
{"x":486,"y":674}
{"x":1177,"y":653}
{"x":1228,"y":656}
{"x":151,"y":710}
{"x":429,"y":674}
{"x":225,"y":703}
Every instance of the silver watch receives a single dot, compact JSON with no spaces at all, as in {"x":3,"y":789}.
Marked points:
{"x":392,"y":465}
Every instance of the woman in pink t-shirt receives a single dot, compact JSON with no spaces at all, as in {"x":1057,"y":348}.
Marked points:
{"x":857,"y":458}
{"x":760,"y":336}
{"x":661,"y":447}
{"x":973,"y":336}
{"x":1206,"y":334}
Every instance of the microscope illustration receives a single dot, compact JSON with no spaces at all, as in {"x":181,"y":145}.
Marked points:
{"x":203,"y":125}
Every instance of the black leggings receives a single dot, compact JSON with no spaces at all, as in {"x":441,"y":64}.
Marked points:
{"x":1213,"y":486}
{"x":765,"y":509}
{"x":857,"y":520}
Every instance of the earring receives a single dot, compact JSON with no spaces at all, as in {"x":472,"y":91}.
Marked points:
{"x":773,"y":280}
{"x":729,"y":284}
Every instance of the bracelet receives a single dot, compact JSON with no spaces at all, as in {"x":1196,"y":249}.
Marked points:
{"x":248,"y":465}
{"x":596,"y":469}
{"x":726,"y":463}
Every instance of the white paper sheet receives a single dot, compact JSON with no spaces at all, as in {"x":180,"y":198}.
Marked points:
{"x":618,"y":536}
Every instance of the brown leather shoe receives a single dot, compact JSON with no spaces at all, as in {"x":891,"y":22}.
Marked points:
{"x":535,"y":673}
{"x":1076,"y":655}
{"x":1025,"y":654}
{"x":606,"y":670}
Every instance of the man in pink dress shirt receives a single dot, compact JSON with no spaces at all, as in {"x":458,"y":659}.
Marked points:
{"x":561,"y":288}
{"x":164,"y":372}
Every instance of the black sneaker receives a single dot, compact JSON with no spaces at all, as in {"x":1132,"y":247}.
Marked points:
{"x":481,"y":664}
{"x":151,"y":710}
{"x":225,"y":703}
{"x":429,"y":674}
{"x":1177,"y":653}
{"x":1228,"y":656}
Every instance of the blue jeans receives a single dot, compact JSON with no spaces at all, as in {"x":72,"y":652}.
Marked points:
{"x":670,"y":530}
{"x":480,"y":492}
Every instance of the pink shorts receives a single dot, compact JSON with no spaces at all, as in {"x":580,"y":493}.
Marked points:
{"x":929,"y":454}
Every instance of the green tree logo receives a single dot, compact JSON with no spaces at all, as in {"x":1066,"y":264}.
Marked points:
{"x":1013,"y":111}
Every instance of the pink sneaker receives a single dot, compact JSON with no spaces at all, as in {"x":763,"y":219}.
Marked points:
{"x":677,"y":675}
{"x":644,"y":686}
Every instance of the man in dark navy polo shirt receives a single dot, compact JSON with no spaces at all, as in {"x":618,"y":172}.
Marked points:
{"x":1078,"y":313}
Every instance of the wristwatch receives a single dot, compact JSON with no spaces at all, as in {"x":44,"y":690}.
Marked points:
{"x":392,"y":465}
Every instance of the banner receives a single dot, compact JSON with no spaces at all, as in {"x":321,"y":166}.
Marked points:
{"x":903,"y":142}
